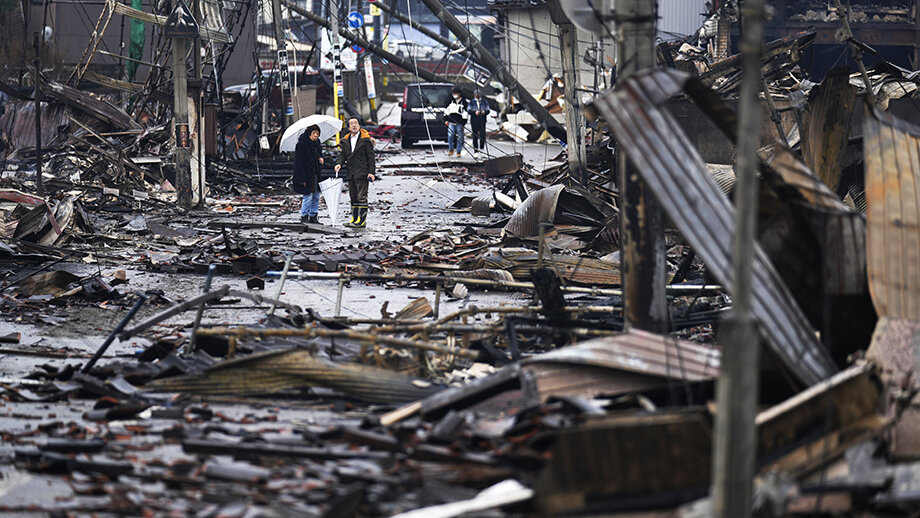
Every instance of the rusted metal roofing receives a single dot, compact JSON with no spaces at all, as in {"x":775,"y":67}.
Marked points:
{"x":676,"y":173}
{"x":826,"y":126}
{"x":842,"y":227}
{"x":796,"y":174}
{"x":627,"y":363}
{"x":91,"y":106}
{"x":892,"y":150}
{"x":18,"y":123}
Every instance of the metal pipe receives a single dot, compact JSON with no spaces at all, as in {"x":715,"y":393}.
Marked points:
{"x":338,"y":297}
{"x":141,"y":298}
{"x":774,"y":114}
{"x":221,"y":292}
{"x":284,"y":273}
{"x":437,"y":299}
{"x":207,"y":287}
{"x":678,"y":289}
{"x":855,"y":49}
{"x":399,"y":324}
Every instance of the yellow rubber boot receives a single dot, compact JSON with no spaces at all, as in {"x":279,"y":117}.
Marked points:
{"x":361,"y":222}
{"x":354,"y":217}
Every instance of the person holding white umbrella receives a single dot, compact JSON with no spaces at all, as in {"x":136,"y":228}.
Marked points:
{"x":330,"y":188}
{"x":308,"y":161}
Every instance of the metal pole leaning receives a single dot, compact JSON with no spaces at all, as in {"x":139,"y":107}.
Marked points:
{"x":338,"y":297}
{"x":207,"y":287}
{"x":287,"y":266}
{"x":141,"y":298}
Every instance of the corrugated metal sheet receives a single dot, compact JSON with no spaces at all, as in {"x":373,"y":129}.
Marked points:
{"x":679,"y":18}
{"x":725,"y":179}
{"x":627,"y":363}
{"x":580,"y":270}
{"x":85,"y":103}
{"x":566,"y":208}
{"x":826,"y":124}
{"x":539,"y":207}
{"x":796,"y":174}
{"x":892,"y":149}
{"x":676,"y":174}
{"x":18,"y":123}
{"x":843,"y":228}
{"x":641,"y":352}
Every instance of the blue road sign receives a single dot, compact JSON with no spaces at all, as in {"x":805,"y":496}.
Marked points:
{"x":357,"y":48}
{"x":356,"y":19}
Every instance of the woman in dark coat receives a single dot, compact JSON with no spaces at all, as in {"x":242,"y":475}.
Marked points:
{"x":308,"y":160}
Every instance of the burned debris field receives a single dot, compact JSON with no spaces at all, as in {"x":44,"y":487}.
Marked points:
{"x":496,"y":258}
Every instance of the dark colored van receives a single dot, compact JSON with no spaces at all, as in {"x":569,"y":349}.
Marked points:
{"x":423,"y":112}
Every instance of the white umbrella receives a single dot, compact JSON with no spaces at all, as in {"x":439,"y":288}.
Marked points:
{"x":331,"y":188}
{"x":328,"y":127}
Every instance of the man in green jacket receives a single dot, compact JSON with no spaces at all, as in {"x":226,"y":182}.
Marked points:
{"x":358,"y":158}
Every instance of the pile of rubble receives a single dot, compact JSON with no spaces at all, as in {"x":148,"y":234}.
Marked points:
{"x":541,"y":404}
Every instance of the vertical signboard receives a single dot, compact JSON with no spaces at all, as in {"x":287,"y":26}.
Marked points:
{"x":369,"y":78}
{"x":284,"y":73}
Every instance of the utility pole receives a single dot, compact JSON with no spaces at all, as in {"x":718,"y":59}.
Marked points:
{"x":641,"y":221}
{"x":375,"y":5}
{"x":180,"y":117}
{"x":335,"y":28}
{"x":735,"y":442}
{"x":37,"y":82}
{"x":196,"y":118}
{"x":574,"y":116}
{"x":181,"y":26}
{"x":284,"y":73}
{"x":490,"y":62}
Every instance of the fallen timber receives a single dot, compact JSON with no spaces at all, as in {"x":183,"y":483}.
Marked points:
{"x":674,"y":289}
{"x":311,"y":332}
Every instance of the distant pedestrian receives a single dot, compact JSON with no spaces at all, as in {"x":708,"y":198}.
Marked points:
{"x":358,"y":158}
{"x":308,"y":163}
{"x":455,"y":118}
{"x":478,"y":108}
